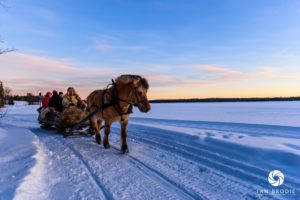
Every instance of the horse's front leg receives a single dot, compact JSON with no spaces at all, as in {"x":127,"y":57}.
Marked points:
{"x":124,"y":147}
{"x":106,"y":131}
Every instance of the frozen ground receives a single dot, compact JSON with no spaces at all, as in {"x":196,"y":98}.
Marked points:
{"x":177,"y":151}
{"x":271,"y":113}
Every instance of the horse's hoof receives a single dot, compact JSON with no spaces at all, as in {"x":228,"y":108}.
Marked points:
{"x":106,"y":145}
{"x":98,"y":139}
{"x":124,"y":149}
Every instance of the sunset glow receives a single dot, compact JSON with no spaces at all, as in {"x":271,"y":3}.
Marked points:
{"x":192,"y":50}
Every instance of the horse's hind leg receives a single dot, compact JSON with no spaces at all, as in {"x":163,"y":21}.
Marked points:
{"x":91,"y":128}
{"x":98,"y":136}
{"x":124,"y":147}
{"x":106,"y":131}
{"x":96,"y":129}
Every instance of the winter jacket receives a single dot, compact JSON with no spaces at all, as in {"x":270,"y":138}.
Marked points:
{"x":71,"y":100}
{"x":45,"y":101}
{"x":56,"y":102}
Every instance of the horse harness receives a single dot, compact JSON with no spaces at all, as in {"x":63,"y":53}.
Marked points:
{"x":114,"y":102}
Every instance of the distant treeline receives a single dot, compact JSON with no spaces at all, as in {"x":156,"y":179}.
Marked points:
{"x":225,"y":100}
{"x":30,"y":98}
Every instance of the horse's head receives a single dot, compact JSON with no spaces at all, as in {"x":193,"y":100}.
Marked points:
{"x":138,"y":90}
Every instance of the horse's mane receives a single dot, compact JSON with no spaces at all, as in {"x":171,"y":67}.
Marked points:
{"x":129,"y":78}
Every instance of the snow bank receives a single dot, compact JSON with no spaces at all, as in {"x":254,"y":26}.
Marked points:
{"x":285,"y":113}
{"x":33,"y":186}
{"x":21,"y":164}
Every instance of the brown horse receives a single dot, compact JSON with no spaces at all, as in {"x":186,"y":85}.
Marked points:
{"x":116,"y":104}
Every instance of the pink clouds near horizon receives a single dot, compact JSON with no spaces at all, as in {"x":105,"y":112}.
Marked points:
{"x":224,"y":73}
{"x":33,"y":73}
{"x":30,"y":73}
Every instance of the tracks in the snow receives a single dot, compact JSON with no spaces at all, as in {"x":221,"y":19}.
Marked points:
{"x":210,"y":159}
{"x":150,"y":172}
{"x":183,"y":180}
{"x":85,"y":164}
{"x":154,"y":175}
{"x":234,"y":177}
{"x":205,"y":156}
{"x":161,"y":177}
{"x":237,"y":170}
{"x":94,"y":176}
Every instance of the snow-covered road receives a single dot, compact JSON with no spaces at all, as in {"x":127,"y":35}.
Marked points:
{"x":168,"y":159}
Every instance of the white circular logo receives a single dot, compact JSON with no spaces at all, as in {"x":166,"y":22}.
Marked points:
{"x":276,"y":178}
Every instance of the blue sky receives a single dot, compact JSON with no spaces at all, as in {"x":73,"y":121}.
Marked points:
{"x":202,"y":48}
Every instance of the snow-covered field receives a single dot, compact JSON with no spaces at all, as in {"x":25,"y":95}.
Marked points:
{"x":270,"y":113}
{"x":177,"y":151}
